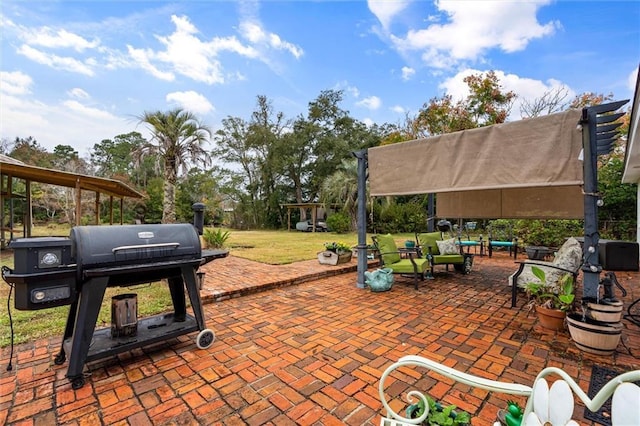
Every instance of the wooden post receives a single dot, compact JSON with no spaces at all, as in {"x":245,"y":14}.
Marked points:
{"x":29,"y":213}
{"x":110,"y":209}
{"x":78,"y":202}
{"x":97,"y":213}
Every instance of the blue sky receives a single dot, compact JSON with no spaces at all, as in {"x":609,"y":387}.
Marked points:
{"x":78,"y":72}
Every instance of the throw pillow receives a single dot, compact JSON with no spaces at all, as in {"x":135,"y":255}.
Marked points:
{"x":388,"y":249}
{"x":448,"y":246}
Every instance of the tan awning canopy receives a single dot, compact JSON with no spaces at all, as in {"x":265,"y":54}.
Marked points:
{"x":523,"y":169}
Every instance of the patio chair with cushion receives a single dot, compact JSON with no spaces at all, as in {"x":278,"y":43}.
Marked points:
{"x":501,"y":236}
{"x":545,"y":404}
{"x":568,"y":259}
{"x":468,"y":243}
{"x":439,"y":251}
{"x":390,"y":257}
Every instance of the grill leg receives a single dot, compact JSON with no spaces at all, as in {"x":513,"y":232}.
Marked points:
{"x":176,"y":288}
{"x":84,"y":325}
{"x":189,"y":275}
{"x":68,"y":332}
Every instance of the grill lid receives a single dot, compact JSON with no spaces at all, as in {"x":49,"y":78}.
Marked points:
{"x":100,"y":246}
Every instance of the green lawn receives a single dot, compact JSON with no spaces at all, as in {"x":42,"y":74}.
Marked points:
{"x":273,"y":247}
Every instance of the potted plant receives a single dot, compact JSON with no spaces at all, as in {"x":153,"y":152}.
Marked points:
{"x":335,"y":253}
{"x":438,"y":414}
{"x":551,"y":302}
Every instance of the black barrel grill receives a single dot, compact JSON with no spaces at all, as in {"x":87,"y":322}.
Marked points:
{"x":76,"y":271}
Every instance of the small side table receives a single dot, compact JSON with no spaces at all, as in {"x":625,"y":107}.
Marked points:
{"x":405,"y":252}
{"x":539,"y":252}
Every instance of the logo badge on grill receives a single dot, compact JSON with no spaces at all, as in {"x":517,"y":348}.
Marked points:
{"x":50,"y":259}
{"x":145,"y":235}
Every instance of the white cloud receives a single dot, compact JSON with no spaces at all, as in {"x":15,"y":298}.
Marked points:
{"x":368,"y":122}
{"x":470,"y":28}
{"x":631,"y":80}
{"x":78,"y":93}
{"x":348,"y":88}
{"x":385,"y":10}
{"x":397,"y":109}
{"x":68,"y":123}
{"x":47,"y":37}
{"x":407,"y":73}
{"x":372,"y":102}
{"x":15,"y":83}
{"x":58,"y":62}
{"x":191,"y":101}
{"x":187,"y":54}
{"x":143,"y":60}
{"x":253,"y":31}
{"x":87,"y":111}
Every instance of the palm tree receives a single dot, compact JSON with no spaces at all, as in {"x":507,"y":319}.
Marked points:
{"x":177,"y":138}
{"x":342,"y":187}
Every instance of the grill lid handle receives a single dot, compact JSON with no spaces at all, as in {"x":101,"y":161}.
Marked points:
{"x":145,"y":246}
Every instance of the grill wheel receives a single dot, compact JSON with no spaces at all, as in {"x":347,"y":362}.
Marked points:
{"x":205,"y":339}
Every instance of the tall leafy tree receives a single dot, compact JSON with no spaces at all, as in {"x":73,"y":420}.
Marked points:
{"x":199,"y":186}
{"x":177,"y":138}
{"x":253,"y":145}
{"x":486,"y":104}
{"x":29,"y":151}
{"x":66,"y":158}
{"x":266,"y":130}
{"x":114,"y":158}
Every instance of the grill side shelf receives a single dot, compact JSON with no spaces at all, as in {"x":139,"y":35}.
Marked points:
{"x":66,"y":272}
{"x":210,"y":255}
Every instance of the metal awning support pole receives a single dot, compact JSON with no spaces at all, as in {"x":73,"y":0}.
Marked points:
{"x":591,"y":265}
{"x":431,"y":213}
{"x":362,"y":215}
{"x":598,"y":137}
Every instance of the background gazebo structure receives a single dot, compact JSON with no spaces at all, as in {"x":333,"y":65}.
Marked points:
{"x":314,"y":211}
{"x":11,"y":169}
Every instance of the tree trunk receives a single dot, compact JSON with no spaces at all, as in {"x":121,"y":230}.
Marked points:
{"x":169,"y":200}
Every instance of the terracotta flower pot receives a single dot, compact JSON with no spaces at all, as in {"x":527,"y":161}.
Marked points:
{"x":553,"y":319}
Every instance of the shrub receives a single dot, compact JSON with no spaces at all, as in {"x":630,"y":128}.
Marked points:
{"x":215,"y":238}
{"x":549,"y":233}
{"x":396,"y":218}
{"x":339,"y":223}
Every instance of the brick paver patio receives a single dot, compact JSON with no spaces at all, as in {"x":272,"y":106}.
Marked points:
{"x":310,"y":349}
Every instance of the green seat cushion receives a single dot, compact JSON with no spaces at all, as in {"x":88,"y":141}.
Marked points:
{"x":442,"y":259}
{"x":428,"y":239}
{"x":387,"y":245}
{"x":405,"y":266}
